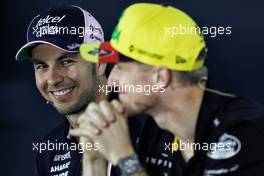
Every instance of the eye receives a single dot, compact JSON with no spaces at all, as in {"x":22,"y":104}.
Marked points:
{"x":67,"y":62}
{"x":40,"y":66}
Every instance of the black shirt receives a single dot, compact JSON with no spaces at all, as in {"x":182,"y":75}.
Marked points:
{"x":154,"y":148}
{"x":61,"y":155}
{"x":238,"y":122}
{"x":60,"y":160}
{"x":233,"y":126}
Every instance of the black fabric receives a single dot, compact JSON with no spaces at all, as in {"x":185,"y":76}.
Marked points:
{"x":46,"y":164}
{"x":154,"y":155}
{"x":219,"y":116}
{"x":45,"y":161}
{"x":241,"y":121}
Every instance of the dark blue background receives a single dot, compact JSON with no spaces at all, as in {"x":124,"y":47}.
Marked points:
{"x":235,"y":64}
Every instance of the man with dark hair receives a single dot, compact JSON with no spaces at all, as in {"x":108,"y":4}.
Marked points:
{"x":215,"y":133}
{"x":67,"y":82}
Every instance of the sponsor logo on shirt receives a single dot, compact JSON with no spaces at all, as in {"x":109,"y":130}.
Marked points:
{"x":61,"y":168}
{"x":211,"y":172}
{"x":233,"y":146}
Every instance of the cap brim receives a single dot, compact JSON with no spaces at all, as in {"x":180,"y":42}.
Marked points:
{"x":101,"y":53}
{"x":90,"y":52}
{"x":24,"y":52}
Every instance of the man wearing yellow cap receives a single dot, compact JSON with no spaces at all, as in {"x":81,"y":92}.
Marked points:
{"x":216,"y":133}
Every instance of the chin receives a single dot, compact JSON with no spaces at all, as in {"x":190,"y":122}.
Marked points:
{"x":64,"y":111}
{"x":69,"y":109}
{"x":134,"y":108}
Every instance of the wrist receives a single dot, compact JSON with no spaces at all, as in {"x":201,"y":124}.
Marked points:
{"x":127,"y":151}
{"x":92,"y":158}
{"x":130,"y":165}
{"x":96,"y":167}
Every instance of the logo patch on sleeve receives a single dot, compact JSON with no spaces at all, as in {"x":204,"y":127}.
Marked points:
{"x":226,"y":147}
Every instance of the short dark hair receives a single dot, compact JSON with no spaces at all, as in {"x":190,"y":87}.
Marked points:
{"x":191,"y":77}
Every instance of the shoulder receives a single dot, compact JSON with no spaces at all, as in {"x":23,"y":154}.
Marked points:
{"x":239,"y":111}
{"x":45,"y":146}
{"x":60,"y":131}
{"x":237,"y":142}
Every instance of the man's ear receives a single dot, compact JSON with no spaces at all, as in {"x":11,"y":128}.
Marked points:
{"x":101,"y":68}
{"x":163,"y":76}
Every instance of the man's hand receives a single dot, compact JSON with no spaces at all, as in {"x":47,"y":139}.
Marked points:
{"x":105,"y":123}
{"x":93,"y":163}
{"x":89,"y":154}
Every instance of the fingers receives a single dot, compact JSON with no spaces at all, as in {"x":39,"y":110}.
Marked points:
{"x":107,"y":110}
{"x":81,"y":132}
{"x":98,"y":119}
{"x":84,"y":140}
{"x":120,"y":110}
{"x":118,"y":106}
{"x":86,"y":123}
{"x":86,"y":128}
{"x":97,"y":116}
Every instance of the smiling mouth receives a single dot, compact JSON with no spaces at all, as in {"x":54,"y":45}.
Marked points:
{"x":62,"y":94}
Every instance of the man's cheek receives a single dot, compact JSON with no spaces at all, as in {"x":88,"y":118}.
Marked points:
{"x":42,"y":87}
{"x":74,"y":73}
{"x":40,"y":84}
{"x":78,"y":75}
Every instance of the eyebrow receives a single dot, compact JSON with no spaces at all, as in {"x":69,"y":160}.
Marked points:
{"x":66,"y":55}
{"x":59,"y":58}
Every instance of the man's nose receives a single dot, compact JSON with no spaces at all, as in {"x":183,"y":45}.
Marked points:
{"x":54,"y":77}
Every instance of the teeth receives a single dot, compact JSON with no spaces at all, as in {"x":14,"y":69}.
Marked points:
{"x":62,"y":92}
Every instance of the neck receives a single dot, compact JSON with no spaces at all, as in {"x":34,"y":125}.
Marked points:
{"x":72,"y":118}
{"x":179,"y":116}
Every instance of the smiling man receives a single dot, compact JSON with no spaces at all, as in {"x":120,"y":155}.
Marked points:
{"x":60,"y":78}
{"x":197,"y":116}
{"x":69,"y":84}
{"x":66,"y":82}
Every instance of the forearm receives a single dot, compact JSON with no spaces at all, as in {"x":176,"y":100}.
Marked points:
{"x":96,"y":167}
